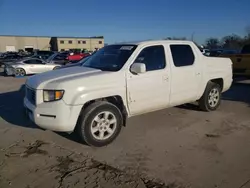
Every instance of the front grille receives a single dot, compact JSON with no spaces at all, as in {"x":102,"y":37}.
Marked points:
{"x":31,"y":95}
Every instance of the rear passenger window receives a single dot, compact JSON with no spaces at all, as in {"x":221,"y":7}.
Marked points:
{"x":153,"y":57}
{"x":182,"y":55}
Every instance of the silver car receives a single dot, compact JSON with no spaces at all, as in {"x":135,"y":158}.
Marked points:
{"x":29,"y":66}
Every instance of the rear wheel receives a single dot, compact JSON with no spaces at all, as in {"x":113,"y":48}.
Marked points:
{"x":57,"y":67}
{"x":19,"y":72}
{"x":211,"y":98}
{"x":99,"y":124}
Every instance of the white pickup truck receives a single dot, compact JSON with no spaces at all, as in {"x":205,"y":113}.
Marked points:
{"x":123,"y":80}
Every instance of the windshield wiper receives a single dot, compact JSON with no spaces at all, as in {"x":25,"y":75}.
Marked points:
{"x":102,"y":68}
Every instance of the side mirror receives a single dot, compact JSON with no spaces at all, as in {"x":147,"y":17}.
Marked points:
{"x":138,"y":68}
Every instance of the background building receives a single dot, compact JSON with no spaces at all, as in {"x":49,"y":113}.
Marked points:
{"x":15,"y":43}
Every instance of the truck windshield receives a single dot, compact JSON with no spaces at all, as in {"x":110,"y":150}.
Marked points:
{"x":110,"y":58}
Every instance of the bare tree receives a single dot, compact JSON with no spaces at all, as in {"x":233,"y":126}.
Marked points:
{"x":212,"y":43}
{"x":175,"y":38}
{"x":232,"y":42}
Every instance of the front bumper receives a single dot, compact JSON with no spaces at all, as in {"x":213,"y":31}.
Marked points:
{"x":9,"y":71}
{"x":55,"y":116}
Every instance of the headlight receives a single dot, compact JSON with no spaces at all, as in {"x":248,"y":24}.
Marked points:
{"x":52,"y":95}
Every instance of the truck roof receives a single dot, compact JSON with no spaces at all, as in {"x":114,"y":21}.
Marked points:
{"x":148,"y":42}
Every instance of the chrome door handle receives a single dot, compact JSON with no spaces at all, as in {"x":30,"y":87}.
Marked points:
{"x":165,"y":78}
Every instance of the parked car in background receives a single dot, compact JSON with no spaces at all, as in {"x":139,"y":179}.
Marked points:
{"x":9,"y":57}
{"x":77,"y":57}
{"x":124,"y":80}
{"x":241,"y":61}
{"x":205,"y":52}
{"x":29,"y":66}
{"x":219,"y":52}
{"x":42,"y":54}
{"x":79,"y":63}
{"x":58,"y":58}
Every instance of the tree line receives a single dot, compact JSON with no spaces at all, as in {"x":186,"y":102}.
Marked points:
{"x":232,"y":41}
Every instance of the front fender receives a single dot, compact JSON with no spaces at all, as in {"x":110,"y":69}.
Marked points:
{"x":83,"y":97}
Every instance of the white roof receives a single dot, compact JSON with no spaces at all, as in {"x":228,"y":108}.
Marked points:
{"x":148,"y":42}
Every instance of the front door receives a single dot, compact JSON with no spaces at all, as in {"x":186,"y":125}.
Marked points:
{"x":36,"y":66}
{"x":149,"y":91}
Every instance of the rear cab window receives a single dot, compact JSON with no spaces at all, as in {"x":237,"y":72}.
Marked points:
{"x":182,"y":55}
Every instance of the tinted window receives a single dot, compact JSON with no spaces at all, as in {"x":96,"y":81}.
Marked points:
{"x":37,"y":61}
{"x":33,"y":61}
{"x":246,"y":49}
{"x":153,"y":57}
{"x":61,"y":42}
{"x":45,"y":53}
{"x":60,"y":57}
{"x":70,"y":41}
{"x":28,"y":62}
{"x":182,"y":55}
{"x":110,"y":58}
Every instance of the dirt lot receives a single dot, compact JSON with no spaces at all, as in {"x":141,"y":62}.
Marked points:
{"x":181,"y":147}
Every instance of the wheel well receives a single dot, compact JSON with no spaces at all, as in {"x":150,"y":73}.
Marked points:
{"x":218,"y":81}
{"x":115,"y":100}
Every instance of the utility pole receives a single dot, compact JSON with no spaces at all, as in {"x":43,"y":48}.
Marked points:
{"x":90,"y":44}
{"x":192,"y":36}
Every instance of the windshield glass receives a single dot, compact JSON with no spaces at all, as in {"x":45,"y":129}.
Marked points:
{"x":82,"y":61}
{"x":110,"y":58}
{"x":51,"y":57}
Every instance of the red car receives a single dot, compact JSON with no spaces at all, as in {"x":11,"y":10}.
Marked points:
{"x":77,"y":57}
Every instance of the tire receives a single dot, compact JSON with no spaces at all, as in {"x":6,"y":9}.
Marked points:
{"x":211,"y":98}
{"x":90,"y":131}
{"x":20,"y":72}
{"x":56,"y":67}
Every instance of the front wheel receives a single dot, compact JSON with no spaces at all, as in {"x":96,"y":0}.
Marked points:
{"x":99,"y":124}
{"x":211,"y":98}
{"x":20,"y":72}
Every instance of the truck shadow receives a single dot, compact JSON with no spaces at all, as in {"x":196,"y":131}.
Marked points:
{"x":12,"y":111}
{"x":240,"y":92}
{"x":11,"y":108}
{"x":73,"y":137}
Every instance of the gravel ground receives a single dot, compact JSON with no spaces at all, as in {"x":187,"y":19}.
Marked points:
{"x":174,"y":148}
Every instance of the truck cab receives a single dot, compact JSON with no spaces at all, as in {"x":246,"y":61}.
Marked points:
{"x":124,"y":80}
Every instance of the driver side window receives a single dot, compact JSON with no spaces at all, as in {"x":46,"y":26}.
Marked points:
{"x":37,"y":61}
{"x":28,"y":62}
{"x":153,"y":57}
{"x":33,"y":61}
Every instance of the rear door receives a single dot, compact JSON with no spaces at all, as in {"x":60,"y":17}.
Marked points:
{"x":186,"y":74}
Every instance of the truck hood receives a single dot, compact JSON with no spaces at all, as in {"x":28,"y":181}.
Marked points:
{"x":61,"y":75}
